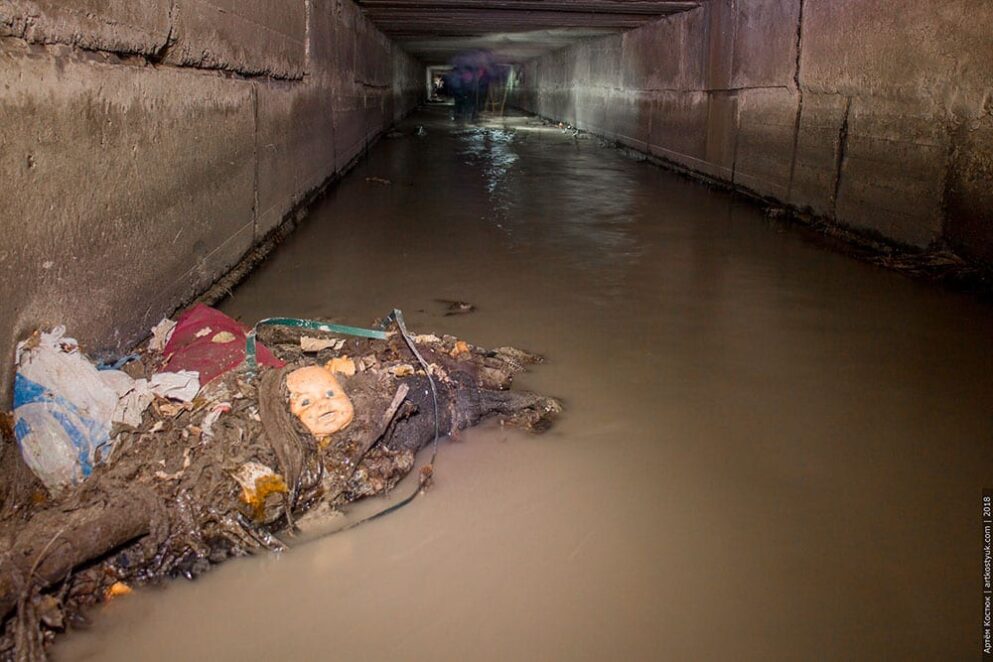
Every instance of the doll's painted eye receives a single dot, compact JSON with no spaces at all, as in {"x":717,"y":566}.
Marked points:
{"x":305,"y":402}
{"x":329,"y":393}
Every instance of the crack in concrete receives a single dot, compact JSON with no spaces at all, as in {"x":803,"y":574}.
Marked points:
{"x":733,"y":54}
{"x":799,"y":105}
{"x":796,"y":144}
{"x":840,"y":162}
{"x":799,"y":47}
{"x":19,"y":30}
{"x":23,"y":27}
{"x":130,"y":58}
{"x":159,"y":55}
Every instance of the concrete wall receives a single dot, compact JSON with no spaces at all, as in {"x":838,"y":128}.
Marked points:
{"x":146,"y":146}
{"x":874,"y":116}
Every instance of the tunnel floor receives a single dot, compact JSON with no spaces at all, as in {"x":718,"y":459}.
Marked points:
{"x":769,"y":451}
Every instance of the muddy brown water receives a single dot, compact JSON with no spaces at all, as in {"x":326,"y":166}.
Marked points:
{"x":770,"y":452}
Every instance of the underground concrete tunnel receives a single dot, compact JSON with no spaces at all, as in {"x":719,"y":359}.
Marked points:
{"x":693,"y":361}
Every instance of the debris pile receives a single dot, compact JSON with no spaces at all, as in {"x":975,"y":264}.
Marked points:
{"x":211,"y":442}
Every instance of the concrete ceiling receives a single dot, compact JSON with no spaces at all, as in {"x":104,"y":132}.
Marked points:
{"x":516,"y":30}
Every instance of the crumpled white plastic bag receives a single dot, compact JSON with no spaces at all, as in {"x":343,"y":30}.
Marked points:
{"x":64,"y":407}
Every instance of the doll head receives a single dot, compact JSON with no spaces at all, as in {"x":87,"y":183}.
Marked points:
{"x":318,"y":400}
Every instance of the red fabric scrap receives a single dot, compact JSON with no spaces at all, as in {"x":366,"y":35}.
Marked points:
{"x":186,"y":351}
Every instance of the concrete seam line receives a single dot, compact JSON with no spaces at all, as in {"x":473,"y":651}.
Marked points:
{"x":262,"y":247}
{"x":255,"y":159}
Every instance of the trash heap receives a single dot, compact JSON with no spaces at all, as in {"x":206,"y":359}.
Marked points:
{"x":216,"y":440}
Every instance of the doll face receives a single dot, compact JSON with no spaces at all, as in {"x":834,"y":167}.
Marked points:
{"x":318,"y":400}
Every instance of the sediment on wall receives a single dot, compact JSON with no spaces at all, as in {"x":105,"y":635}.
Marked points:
{"x":805,"y":105}
{"x":160,"y":143}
